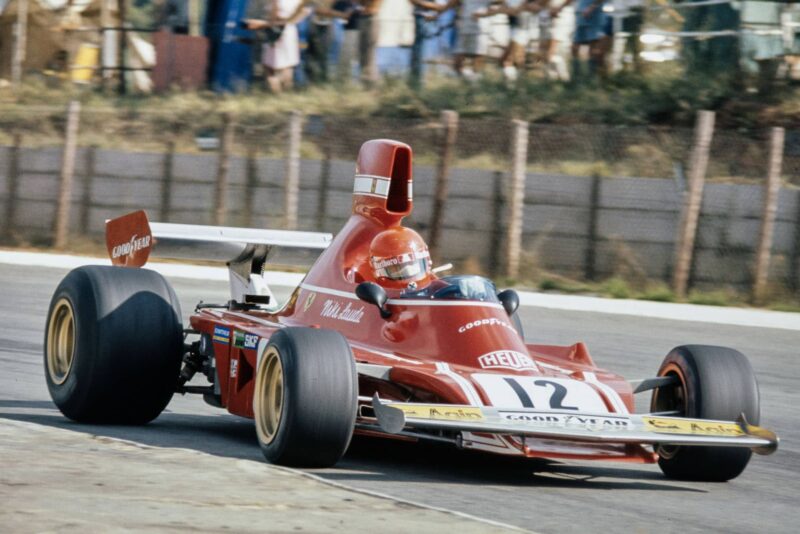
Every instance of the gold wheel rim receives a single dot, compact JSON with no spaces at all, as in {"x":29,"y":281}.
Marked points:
{"x":60,"y":341}
{"x":668,"y":399}
{"x":268,"y":403}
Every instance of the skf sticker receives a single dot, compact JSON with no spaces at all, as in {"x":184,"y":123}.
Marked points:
{"x":446,"y":413}
{"x":244,"y":341}
{"x":222,"y":335}
{"x":665,"y":425}
{"x":309,"y":301}
{"x":250,"y":341}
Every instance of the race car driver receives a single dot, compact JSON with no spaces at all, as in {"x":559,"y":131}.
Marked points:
{"x":400,"y":258}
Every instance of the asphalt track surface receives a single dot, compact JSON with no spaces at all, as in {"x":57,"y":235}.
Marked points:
{"x":541,"y":496}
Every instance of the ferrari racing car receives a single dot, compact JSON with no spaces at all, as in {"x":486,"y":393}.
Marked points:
{"x":375,"y":341}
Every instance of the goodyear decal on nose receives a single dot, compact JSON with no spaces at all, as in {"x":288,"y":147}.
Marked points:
{"x":446,"y":413}
{"x":222,"y":335}
{"x":666,"y":425}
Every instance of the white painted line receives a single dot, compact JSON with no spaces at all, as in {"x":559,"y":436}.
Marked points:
{"x":176,"y":270}
{"x":637,"y":308}
{"x":664,"y":310}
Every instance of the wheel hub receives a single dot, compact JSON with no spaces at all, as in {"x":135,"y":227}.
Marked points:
{"x":60,"y":341}
{"x":268,"y":402}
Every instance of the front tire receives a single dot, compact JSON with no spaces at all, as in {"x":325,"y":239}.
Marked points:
{"x":113,"y":345}
{"x":305,"y":398}
{"x":712,"y":383}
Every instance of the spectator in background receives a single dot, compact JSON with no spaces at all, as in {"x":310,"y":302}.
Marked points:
{"x":513,"y":57}
{"x":554,"y":65}
{"x":423,"y":13}
{"x":632,"y":13}
{"x":472,"y":42}
{"x":349,"y":46}
{"x":589,"y":23}
{"x":281,"y":52}
{"x":175,"y":16}
{"x":319,"y":38}
{"x":368,"y":32}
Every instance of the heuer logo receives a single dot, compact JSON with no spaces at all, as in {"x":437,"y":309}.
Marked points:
{"x":506,"y":359}
{"x":134,"y":245}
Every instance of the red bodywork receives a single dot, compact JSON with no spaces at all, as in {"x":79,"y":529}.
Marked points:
{"x":454,"y":352}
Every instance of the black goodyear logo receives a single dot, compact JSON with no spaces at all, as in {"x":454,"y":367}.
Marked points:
{"x":665,"y":425}
{"x":556,"y":420}
{"x":441,"y":413}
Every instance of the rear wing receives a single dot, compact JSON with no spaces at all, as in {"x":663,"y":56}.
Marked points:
{"x":132,"y":239}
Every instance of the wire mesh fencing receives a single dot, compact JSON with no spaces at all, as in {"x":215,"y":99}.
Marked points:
{"x":598,"y":202}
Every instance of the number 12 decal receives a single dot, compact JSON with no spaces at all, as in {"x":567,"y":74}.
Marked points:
{"x":556,"y":397}
{"x":540,"y":393}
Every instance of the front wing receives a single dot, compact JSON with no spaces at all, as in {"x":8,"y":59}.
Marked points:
{"x":394,"y":417}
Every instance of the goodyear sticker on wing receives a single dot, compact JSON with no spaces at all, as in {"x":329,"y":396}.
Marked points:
{"x":441,"y":413}
{"x":667,"y":425}
{"x":222,"y":335}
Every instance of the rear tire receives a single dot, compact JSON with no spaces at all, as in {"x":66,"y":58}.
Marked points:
{"x":305,"y":398}
{"x":713,"y":383}
{"x":113,"y":345}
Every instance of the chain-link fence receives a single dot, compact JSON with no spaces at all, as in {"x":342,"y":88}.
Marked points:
{"x":598,"y":202}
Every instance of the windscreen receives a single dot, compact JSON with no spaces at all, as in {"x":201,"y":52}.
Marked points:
{"x":463,"y":287}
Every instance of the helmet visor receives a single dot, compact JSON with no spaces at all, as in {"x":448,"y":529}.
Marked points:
{"x":404,"y":271}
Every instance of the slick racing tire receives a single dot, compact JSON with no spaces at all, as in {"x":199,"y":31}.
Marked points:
{"x":113,"y":345}
{"x":305,"y":397}
{"x":712,"y":383}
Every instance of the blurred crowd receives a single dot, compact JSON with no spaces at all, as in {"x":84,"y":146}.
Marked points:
{"x":592,"y":35}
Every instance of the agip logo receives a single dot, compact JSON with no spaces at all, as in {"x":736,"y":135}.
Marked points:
{"x":506,"y":359}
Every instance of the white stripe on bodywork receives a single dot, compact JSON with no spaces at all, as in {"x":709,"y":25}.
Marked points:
{"x":372,"y":185}
{"x":466,"y":386}
{"x":613,"y":396}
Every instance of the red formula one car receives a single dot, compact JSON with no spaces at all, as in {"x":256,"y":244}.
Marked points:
{"x":374,"y":341}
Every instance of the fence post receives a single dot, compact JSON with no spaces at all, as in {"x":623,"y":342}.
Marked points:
{"x":449,"y":133}
{"x":167,"y":180}
{"x":768,"y":215}
{"x":794,"y":257}
{"x":498,"y":203}
{"x":292,"y":184}
{"x":324,"y":185}
{"x":88,"y":183}
{"x":589,"y":269}
{"x":20,"y":43}
{"x":64,"y":201}
{"x":692,"y":201}
{"x":223,"y":164}
{"x":250,"y":184}
{"x":519,"y":159}
{"x":13,"y":186}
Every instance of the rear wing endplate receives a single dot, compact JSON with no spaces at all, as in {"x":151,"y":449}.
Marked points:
{"x":132,"y":239}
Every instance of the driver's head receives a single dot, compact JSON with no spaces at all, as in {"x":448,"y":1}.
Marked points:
{"x":399,"y":256}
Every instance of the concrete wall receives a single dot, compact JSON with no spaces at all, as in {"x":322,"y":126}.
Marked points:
{"x":635,"y":226}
